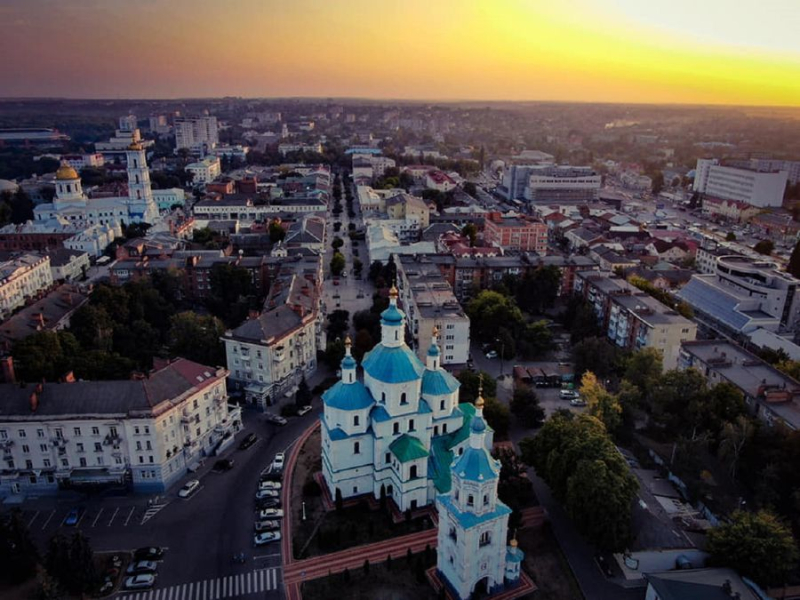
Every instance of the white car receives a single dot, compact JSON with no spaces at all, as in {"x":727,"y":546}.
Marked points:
{"x":568,"y":394}
{"x":143,"y":566}
{"x":277,"y":462}
{"x":577,"y":402}
{"x":189,"y":488}
{"x":261,"y":494}
{"x":139,"y":582}
{"x":491,"y":354}
{"x":266,"y":537}
{"x":270,"y":513}
{"x":303,"y":411}
{"x":270,"y":485}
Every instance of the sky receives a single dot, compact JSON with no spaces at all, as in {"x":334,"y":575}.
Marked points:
{"x":650,"y":51}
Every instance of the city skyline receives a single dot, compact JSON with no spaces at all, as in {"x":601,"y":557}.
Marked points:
{"x":592,"y":51}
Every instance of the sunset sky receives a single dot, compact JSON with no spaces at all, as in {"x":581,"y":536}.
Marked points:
{"x":686,"y":51}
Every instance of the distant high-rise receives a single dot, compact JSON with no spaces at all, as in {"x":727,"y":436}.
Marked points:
{"x":128,"y":123}
{"x":756,"y":188}
{"x":198,"y":134}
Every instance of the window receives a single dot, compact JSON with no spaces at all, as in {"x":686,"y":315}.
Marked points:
{"x":79,"y":447}
{"x":149,"y":446}
{"x":388,"y":458}
{"x":411,"y":424}
{"x":194,"y":404}
{"x":113,"y":431}
{"x":28,"y":464}
{"x":3,"y":434}
{"x":82,"y":461}
{"x":452,"y":534}
{"x":138,"y":445}
{"x":441,"y":405}
{"x":403,"y":399}
{"x":412,"y":472}
{"x":486,"y":499}
{"x":146,"y":430}
{"x":444,"y":428}
{"x":60,"y":433}
{"x":26,"y":448}
{"x":43,"y":447}
{"x":95,"y":431}
{"x":435,"y":430}
{"x":396,"y":428}
{"x":76,"y":431}
{"x":486,"y":539}
{"x":355,"y":489}
{"x":357,"y":448}
{"x":470,"y":500}
{"x":355,"y":420}
{"x":46,"y":463}
{"x":152,"y":460}
{"x":383,"y":397}
{"x":118,"y":460}
{"x":64,"y":462}
{"x":40,"y":433}
{"x":141,"y":459}
{"x":22,"y":433}
{"x":136,"y":431}
{"x":99,"y":461}
{"x":98,"y":447}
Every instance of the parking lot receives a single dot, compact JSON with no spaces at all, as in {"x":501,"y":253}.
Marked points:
{"x":48,"y":521}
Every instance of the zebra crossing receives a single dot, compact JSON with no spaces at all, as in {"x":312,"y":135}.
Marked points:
{"x":233,"y":586}
{"x":152,"y":511}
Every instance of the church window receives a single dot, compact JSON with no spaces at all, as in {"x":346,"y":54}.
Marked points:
{"x":486,"y":499}
{"x":357,"y":448}
{"x":355,"y":421}
{"x":403,"y":399}
{"x":456,"y":494}
{"x":355,"y":489}
{"x":411,"y":424}
{"x":452,"y":562}
{"x":388,"y":458}
{"x":470,"y":500}
{"x":383,"y":397}
{"x":453,"y":535}
{"x":397,"y":428}
{"x":460,"y":451}
{"x":441,"y":405}
{"x":412,"y":473}
{"x":444,"y":428}
{"x":435,"y":430}
{"x":396,"y":335}
{"x":486,"y":539}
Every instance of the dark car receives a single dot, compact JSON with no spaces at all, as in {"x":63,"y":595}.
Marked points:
{"x":226,"y":464}
{"x":248,"y":441}
{"x":268,"y":503}
{"x":150,"y":553}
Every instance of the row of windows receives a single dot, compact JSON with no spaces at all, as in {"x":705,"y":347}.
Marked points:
{"x":82,"y":462}
{"x":59,"y":433}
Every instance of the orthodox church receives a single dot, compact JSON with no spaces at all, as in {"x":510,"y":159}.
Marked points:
{"x":71,"y":203}
{"x":402,"y":434}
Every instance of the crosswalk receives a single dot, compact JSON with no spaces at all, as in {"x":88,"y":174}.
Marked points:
{"x":152,"y":511}
{"x":233,"y":586}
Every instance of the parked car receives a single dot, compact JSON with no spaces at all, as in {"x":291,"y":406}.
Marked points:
{"x":189,"y":488}
{"x":226,"y":464}
{"x":577,"y":402}
{"x":267,"y":493}
{"x":142,"y":566}
{"x":266,"y":537}
{"x":277,"y":419}
{"x":267,"y":525}
{"x":303,"y":410}
{"x":270,"y":513}
{"x":272,"y":475}
{"x":149,"y":553}
{"x":72,"y":518}
{"x":139,"y":582}
{"x":270,"y":485}
{"x":568,"y":394}
{"x":268,"y":503}
{"x":277,"y":462}
{"x":249,"y":440}
{"x":491,"y":354}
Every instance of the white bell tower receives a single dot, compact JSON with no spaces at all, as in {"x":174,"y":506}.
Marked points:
{"x":141,"y":205}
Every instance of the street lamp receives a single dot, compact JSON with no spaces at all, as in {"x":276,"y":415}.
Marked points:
{"x":502,"y":352}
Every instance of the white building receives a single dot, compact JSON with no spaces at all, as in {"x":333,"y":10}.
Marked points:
{"x":562,"y":183}
{"x":198,"y":134}
{"x":756,"y":188}
{"x":472,"y":553}
{"x":72,"y":204}
{"x":236,"y":151}
{"x":22,"y":278}
{"x":205,"y":170}
{"x":117,"y":146}
{"x":94,"y":239}
{"x":68,"y":265}
{"x":432,"y":309}
{"x":166,"y":199}
{"x":79,"y":161}
{"x":289,"y":147}
{"x":128,"y":123}
{"x":146,"y":431}
{"x":394,"y":434}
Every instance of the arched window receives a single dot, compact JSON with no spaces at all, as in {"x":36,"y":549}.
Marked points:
{"x":470,"y":500}
{"x":441,"y":405}
{"x":403,"y":399}
{"x":351,"y":378}
{"x":412,"y":472}
{"x":435,"y":430}
{"x":486,"y":499}
{"x":357,"y":448}
{"x":355,"y":420}
{"x":136,"y":178}
{"x":444,"y":428}
{"x":383,"y":397}
{"x":396,"y":335}
{"x":486,"y":539}
{"x":397,"y":428}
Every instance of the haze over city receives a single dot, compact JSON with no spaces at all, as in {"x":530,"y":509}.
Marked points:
{"x":660,"y":51}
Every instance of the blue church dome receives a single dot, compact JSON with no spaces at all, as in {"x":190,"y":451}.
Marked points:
{"x":348,"y":362}
{"x":392,"y":364}
{"x":475,"y":465}
{"x":438,"y":383}
{"x":392,"y":315}
{"x":348,"y":396}
{"x":478,"y":425}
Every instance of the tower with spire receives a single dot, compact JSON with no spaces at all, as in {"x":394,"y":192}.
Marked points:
{"x":394,"y":434}
{"x":473,"y":521}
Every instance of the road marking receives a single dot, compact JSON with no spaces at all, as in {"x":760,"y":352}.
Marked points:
{"x":48,"y":519}
{"x":152,"y":511}
{"x":33,"y":518}
{"x":83,"y":514}
{"x":97,"y":517}
{"x":111,"y":520}
{"x":261,"y":556}
{"x":130,"y":514}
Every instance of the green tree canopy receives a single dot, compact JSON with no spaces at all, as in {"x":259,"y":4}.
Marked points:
{"x":490,"y":311}
{"x":525,"y":407}
{"x":197,"y":337}
{"x":338,"y":264}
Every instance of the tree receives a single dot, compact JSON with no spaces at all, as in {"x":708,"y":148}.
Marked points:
{"x":470,"y":188}
{"x":338,"y":323}
{"x":764,"y":247}
{"x":375,"y":271}
{"x":232,"y":293}
{"x":334,"y":353}
{"x":794,"y":261}
{"x":581,"y":320}
{"x":470,"y":381}
{"x":197,"y":338}
{"x":18,"y":553}
{"x":593,"y":354}
{"x":643,"y":368}
{"x":602,"y":404}
{"x":276,"y":232}
{"x":337,"y":264}
{"x":580,"y":463}
{"x":730,"y":237}
{"x":303,"y":395}
{"x":490,"y":311}
{"x":535,"y":340}
{"x":756,"y":545}
{"x":525,"y":406}
{"x":734,"y":437}
{"x":470,"y":231}
{"x":337,"y":242}
{"x":497,"y":416}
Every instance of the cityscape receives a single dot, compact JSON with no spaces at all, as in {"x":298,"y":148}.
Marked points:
{"x":453,"y":301}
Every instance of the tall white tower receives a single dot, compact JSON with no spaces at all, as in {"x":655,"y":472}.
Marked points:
{"x":141,"y":205}
{"x":473,"y":522}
